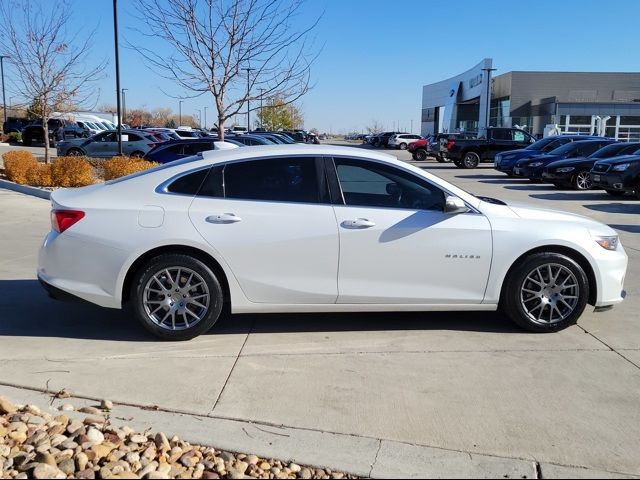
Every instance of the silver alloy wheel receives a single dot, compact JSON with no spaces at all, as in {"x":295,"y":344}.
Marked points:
{"x":176,"y":298}
{"x":549,"y":293}
{"x":583,"y":181}
{"x":471,"y":160}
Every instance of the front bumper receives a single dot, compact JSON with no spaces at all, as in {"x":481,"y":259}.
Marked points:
{"x":613,"y":181}
{"x":554,"y":177}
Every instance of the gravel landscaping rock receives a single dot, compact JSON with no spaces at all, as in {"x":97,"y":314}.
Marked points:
{"x":35,"y":444}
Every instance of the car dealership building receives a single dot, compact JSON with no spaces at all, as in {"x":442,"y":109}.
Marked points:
{"x":577,"y":102}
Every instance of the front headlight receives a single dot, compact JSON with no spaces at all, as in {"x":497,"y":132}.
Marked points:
{"x":621,"y":168}
{"x":608,"y":243}
{"x":565,"y":169}
{"x":535,"y":164}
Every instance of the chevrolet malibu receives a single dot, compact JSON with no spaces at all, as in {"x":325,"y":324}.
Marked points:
{"x":318,"y":229}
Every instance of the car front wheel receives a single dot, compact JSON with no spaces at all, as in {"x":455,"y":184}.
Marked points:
{"x":421,"y":155}
{"x":546,"y":292}
{"x":176,"y":297}
{"x":471,"y":160}
{"x":582,"y":181}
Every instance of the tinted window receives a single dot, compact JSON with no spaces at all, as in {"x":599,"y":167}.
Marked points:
{"x":613,"y":150}
{"x":177,"y":149}
{"x":587,"y":148}
{"x":501,"y":134}
{"x":188,"y":184}
{"x":280,"y":180}
{"x":133,"y":137}
{"x":197,"y":147}
{"x":374,"y":185}
{"x":212,"y":186}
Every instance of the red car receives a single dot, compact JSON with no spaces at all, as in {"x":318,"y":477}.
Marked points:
{"x":418,"y":149}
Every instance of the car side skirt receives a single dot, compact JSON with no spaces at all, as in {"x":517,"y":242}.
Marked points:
{"x":360,"y":307}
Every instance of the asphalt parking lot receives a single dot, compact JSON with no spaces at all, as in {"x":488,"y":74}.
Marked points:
{"x":459,"y":383}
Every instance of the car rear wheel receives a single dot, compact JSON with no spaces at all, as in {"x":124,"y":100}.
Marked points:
{"x":176,"y":297}
{"x":582,"y":180}
{"x":403,"y":146}
{"x":471,"y":160}
{"x":546,"y":292}
{"x":421,"y":155}
{"x":615,"y":193}
{"x":137,"y":154}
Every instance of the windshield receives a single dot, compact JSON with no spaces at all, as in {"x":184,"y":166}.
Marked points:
{"x":540,"y":144}
{"x":609,"y":151}
{"x":564,"y":149}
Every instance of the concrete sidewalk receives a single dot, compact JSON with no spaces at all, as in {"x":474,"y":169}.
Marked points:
{"x":434,"y":395}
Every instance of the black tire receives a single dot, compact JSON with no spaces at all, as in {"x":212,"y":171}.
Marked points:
{"x":636,"y":191}
{"x":74,"y":152}
{"x":470,"y":160}
{"x":615,"y":193}
{"x":421,"y":155}
{"x":137,"y":154}
{"x":458,"y":163}
{"x":156,"y":266}
{"x":26,"y":141}
{"x":403,"y":146}
{"x":441,"y":159}
{"x":517,"y":284}
{"x":582,"y":181}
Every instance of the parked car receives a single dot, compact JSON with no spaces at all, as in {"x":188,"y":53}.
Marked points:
{"x":34,"y":133}
{"x":618,"y":175}
{"x":258,"y":230}
{"x":176,"y":149}
{"x":187,"y":134}
{"x":438,"y":146}
{"x":402,"y":140}
{"x":135,"y":143}
{"x":250,"y":140}
{"x":74,"y":130}
{"x":90,"y":127}
{"x":274,"y":137}
{"x":14,"y":125}
{"x":532,"y":168}
{"x":468,"y":153}
{"x":576,"y":172}
{"x":418,"y":148}
{"x":382,"y":139}
{"x":506,"y":161}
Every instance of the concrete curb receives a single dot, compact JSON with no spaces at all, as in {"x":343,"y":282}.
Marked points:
{"x":362,"y":456}
{"x":25,"y":189}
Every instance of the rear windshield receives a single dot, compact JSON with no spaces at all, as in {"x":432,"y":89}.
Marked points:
{"x":540,"y":144}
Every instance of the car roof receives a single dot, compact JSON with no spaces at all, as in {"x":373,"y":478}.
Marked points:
{"x":259,"y":151}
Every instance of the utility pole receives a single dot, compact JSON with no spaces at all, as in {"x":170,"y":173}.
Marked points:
{"x":261,"y":117}
{"x":180,"y":112}
{"x":115,"y":36}
{"x":199,"y":117}
{"x":205,"y":118}
{"x":4,"y":102}
{"x":411,"y":126}
{"x":248,"y":93}
{"x":124,"y":105}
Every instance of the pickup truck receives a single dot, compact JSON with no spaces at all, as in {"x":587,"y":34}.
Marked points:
{"x":468,"y":153}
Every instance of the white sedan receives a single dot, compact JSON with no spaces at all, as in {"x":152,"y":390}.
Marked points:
{"x":319,"y":229}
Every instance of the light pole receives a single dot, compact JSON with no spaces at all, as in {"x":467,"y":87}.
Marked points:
{"x":199,"y":117}
{"x":248,"y":92}
{"x":205,"y":118}
{"x":124,"y":105}
{"x":115,"y":37}
{"x":4,"y":103}
{"x":180,"y":112}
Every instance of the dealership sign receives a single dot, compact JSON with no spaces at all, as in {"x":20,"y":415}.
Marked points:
{"x":475,"y":81}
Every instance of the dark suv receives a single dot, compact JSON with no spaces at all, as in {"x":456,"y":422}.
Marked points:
{"x":14,"y":125}
{"x":618,"y":175}
{"x":490,"y":141}
{"x":34,"y":132}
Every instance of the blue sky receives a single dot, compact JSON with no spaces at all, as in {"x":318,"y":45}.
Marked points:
{"x":377,"y":54}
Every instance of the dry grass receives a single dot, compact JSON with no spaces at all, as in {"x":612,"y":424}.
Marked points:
{"x":17,"y":164}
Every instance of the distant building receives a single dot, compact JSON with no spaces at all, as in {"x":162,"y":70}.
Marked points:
{"x":579,"y":102}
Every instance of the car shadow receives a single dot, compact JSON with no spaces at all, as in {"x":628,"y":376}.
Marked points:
{"x":576,"y":196}
{"x":484,"y":177}
{"x":29,"y":312}
{"x":617,"y":207}
{"x":538,"y":187}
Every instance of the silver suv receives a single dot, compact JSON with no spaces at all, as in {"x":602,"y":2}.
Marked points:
{"x":135,"y":143}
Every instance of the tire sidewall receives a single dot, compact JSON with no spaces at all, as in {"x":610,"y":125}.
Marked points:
{"x":156,"y":264}
{"x":421,"y":155}
{"x":470,"y":160}
{"x":513,"y":283}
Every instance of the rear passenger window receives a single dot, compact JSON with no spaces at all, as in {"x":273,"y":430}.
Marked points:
{"x":196,"y":147}
{"x":188,"y":184}
{"x":279,"y":180}
{"x":212,"y":186}
{"x":133,"y":137}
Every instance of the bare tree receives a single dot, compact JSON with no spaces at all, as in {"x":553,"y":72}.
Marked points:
{"x":375,"y":127}
{"x":212,"y":43}
{"x":49,"y":62}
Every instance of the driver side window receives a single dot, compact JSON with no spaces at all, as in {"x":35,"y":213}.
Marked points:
{"x":371,"y":184}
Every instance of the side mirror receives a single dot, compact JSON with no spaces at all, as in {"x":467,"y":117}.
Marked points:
{"x":454,"y":205}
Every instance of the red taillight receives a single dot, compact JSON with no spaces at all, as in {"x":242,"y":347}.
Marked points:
{"x":64,"y":219}
{"x":451,"y":144}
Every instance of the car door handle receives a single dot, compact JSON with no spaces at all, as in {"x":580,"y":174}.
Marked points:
{"x":358,"y":223}
{"x":223,"y":218}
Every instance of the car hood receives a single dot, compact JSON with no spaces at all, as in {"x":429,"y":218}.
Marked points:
{"x":518,"y":154}
{"x":573,"y":162}
{"x":621,"y":159}
{"x":529,"y":212}
{"x":546,"y":159}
